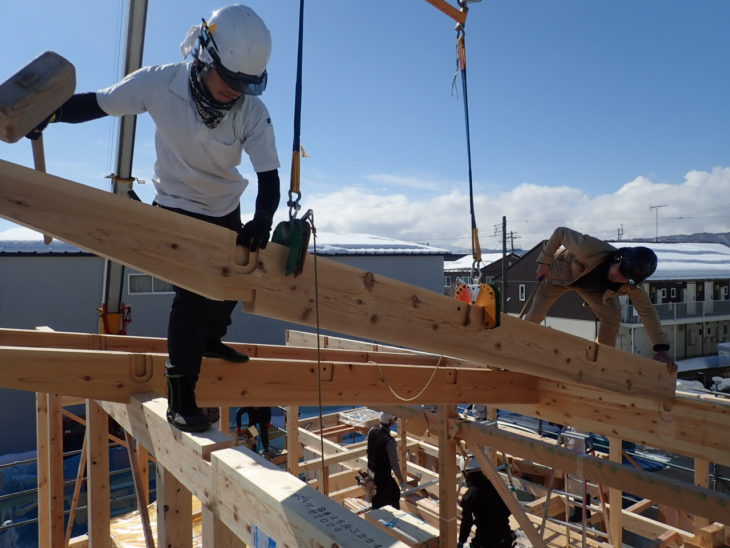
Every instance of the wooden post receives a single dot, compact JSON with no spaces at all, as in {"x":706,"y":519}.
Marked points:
{"x":215,"y":532}
{"x":403,"y":447}
{"x":701,"y":477}
{"x":55,"y":446}
{"x":174,"y":511}
{"x":614,"y":496}
{"x":447,"y":479}
{"x":77,"y":490}
{"x":225,"y":419}
{"x":143,"y":466}
{"x":44,"y":468}
{"x":293,"y":450}
{"x":98,"y":491}
{"x":138,"y":490}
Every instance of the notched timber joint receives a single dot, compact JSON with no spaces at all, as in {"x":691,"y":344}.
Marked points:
{"x":243,"y":258}
{"x":140,"y":368}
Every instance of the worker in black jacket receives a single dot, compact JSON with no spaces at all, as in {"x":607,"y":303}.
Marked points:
{"x":382,"y":458}
{"x":260,"y":417}
{"x":482,"y":505}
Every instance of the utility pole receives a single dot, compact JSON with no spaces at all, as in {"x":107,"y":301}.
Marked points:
{"x":656,"y":212}
{"x":620,"y":232}
{"x":504,"y":264}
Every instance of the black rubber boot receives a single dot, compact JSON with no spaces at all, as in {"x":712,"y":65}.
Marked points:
{"x":182,"y":411}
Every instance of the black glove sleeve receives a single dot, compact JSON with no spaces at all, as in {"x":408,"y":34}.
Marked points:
{"x":255,"y":233}
{"x":267,"y":199}
{"x":81,"y":107}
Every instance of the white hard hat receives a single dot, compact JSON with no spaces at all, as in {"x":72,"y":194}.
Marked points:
{"x":237,"y":43}
{"x":472,"y":465}
{"x":386,"y":418}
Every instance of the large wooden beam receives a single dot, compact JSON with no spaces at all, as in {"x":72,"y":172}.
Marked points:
{"x":125,"y":343}
{"x":115,"y":376}
{"x":248,"y":494}
{"x":693,"y":426}
{"x":204,"y":258}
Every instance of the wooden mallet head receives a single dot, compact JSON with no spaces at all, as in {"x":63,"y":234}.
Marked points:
{"x":34,"y":93}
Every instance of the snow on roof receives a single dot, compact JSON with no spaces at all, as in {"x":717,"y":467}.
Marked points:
{"x":328,"y":243}
{"x":687,"y":261}
{"x":38,"y":247}
{"x":466,"y":262}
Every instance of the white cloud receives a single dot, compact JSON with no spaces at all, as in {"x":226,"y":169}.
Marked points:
{"x":701,"y":203}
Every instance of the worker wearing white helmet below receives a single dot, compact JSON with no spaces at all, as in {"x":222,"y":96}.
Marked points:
{"x":206,"y":112}
{"x":599,"y":273}
{"x":482,"y":505}
{"x":382,"y":459}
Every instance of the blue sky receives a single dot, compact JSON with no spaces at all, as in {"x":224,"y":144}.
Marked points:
{"x":583,"y":113}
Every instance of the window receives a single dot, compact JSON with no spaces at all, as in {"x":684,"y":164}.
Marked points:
{"x":447,"y":281}
{"x":724,"y":291}
{"x":144,"y":283}
{"x":663,"y":292}
{"x":522,"y":292}
{"x":673,"y":292}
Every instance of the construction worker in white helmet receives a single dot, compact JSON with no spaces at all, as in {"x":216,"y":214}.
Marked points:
{"x":206,"y":112}
{"x":482,"y":506}
{"x":382,"y":456}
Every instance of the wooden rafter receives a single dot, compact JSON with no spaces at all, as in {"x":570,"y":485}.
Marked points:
{"x":204,"y":258}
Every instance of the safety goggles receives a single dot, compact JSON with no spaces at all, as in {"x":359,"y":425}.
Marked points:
{"x":245,"y":83}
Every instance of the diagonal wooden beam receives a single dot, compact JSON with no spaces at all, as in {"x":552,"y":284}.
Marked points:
{"x":704,"y":502}
{"x":204,"y":258}
{"x":116,"y":376}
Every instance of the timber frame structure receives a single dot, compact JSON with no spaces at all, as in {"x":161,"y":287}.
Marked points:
{"x":519,"y":367}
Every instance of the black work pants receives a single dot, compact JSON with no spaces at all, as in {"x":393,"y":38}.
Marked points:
{"x":387,"y":491}
{"x":196,"y":321}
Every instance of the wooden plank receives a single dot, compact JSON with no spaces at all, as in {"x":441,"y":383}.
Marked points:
{"x":115,"y":376}
{"x":98,"y":490}
{"x":125,"y":343}
{"x":409,"y":529}
{"x":281,"y":507}
{"x":44,"y":469}
{"x":215,"y":532}
{"x":202,"y":257}
{"x":110,"y":376}
{"x":693,"y":426}
{"x":56,"y":479}
{"x":139,"y":490}
{"x":615,"y":496}
{"x":448,"y":530}
{"x":245,"y":491}
{"x":174,"y":511}
{"x":293,"y":447}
